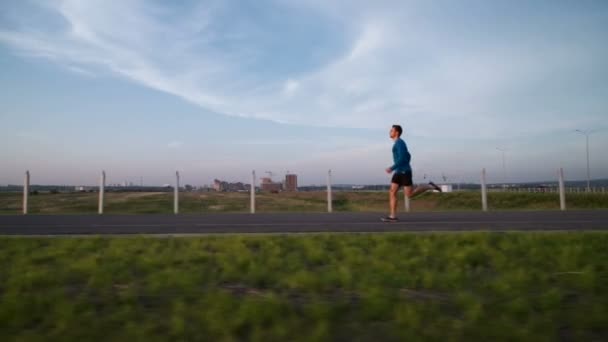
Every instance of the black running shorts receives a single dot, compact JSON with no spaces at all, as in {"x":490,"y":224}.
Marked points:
{"x":402,"y":179}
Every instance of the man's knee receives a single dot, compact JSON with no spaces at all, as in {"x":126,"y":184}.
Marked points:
{"x":408,"y":192}
{"x":393,"y":190}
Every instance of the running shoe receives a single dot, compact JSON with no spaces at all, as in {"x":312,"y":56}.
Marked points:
{"x":435,"y":186}
{"x":389,"y":219}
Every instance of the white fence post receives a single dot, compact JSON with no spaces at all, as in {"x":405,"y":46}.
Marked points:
{"x":484,"y":191}
{"x":176,"y":194}
{"x":252,"y":204}
{"x":26,"y":192}
{"x":407,"y":202}
{"x":102,"y":186}
{"x":329,"y":198}
{"x":562,"y":189}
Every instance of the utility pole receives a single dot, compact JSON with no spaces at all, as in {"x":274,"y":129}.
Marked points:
{"x":504,"y":167}
{"x":586,"y":134}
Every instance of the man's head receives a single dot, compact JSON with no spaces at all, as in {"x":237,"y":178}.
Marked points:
{"x":396,"y":131}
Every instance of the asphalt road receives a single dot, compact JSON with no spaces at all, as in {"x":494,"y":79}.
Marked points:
{"x":300,"y":223}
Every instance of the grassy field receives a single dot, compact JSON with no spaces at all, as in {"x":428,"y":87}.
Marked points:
{"x":142,"y":203}
{"x":384,"y":287}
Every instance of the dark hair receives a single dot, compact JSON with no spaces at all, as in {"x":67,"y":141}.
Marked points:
{"x":398,"y":129}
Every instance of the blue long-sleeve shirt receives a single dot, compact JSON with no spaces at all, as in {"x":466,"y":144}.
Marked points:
{"x":401,"y":157}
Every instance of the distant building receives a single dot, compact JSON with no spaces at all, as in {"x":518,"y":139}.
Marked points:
{"x":291,"y":182}
{"x":446,"y":188}
{"x":269,"y":185}
{"x":219,"y":185}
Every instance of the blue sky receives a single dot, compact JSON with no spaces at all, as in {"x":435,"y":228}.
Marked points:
{"x":218,"y":88}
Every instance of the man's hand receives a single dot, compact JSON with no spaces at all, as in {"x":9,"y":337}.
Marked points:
{"x":389,"y":171}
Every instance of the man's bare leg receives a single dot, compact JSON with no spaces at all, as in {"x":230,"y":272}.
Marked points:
{"x":410,"y":192}
{"x":392,"y":196}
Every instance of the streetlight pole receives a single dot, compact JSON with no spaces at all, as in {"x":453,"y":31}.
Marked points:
{"x":504,"y":167}
{"x":586,"y":134}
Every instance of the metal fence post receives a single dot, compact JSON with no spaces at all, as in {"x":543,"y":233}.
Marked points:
{"x":484,"y":191}
{"x":252,"y":192}
{"x":562,"y":189}
{"x":407,"y":202}
{"x":102,"y":186}
{"x":329,"y":198}
{"x":26,"y":192}
{"x":176,"y":194}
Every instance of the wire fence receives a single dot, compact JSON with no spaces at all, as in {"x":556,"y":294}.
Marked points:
{"x":560,"y":189}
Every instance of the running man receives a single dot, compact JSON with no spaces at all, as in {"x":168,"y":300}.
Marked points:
{"x":402,"y":174}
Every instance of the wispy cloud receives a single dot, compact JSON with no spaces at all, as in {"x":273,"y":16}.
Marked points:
{"x":175,"y":144}
{"x":390,"y":66}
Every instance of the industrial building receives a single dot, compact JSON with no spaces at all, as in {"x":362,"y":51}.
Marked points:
{"x":221,"y":186}
{"x":270,"y":186}
{"x":291,"y":182}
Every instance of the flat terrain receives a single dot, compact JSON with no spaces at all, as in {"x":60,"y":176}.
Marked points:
{"x":301,"y":222}
{"x":547,"y":282}
{"x":201,"y":203}
{"x":321,"y":287}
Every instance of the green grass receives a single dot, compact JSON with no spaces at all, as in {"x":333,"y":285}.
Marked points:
{"x":147,"y":203}
{"x":385,"y":287}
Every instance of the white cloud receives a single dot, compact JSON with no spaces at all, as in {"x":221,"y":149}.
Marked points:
{"x":290,"y":87}
{"x":175,"y":144}
{"x":397,"y":68}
